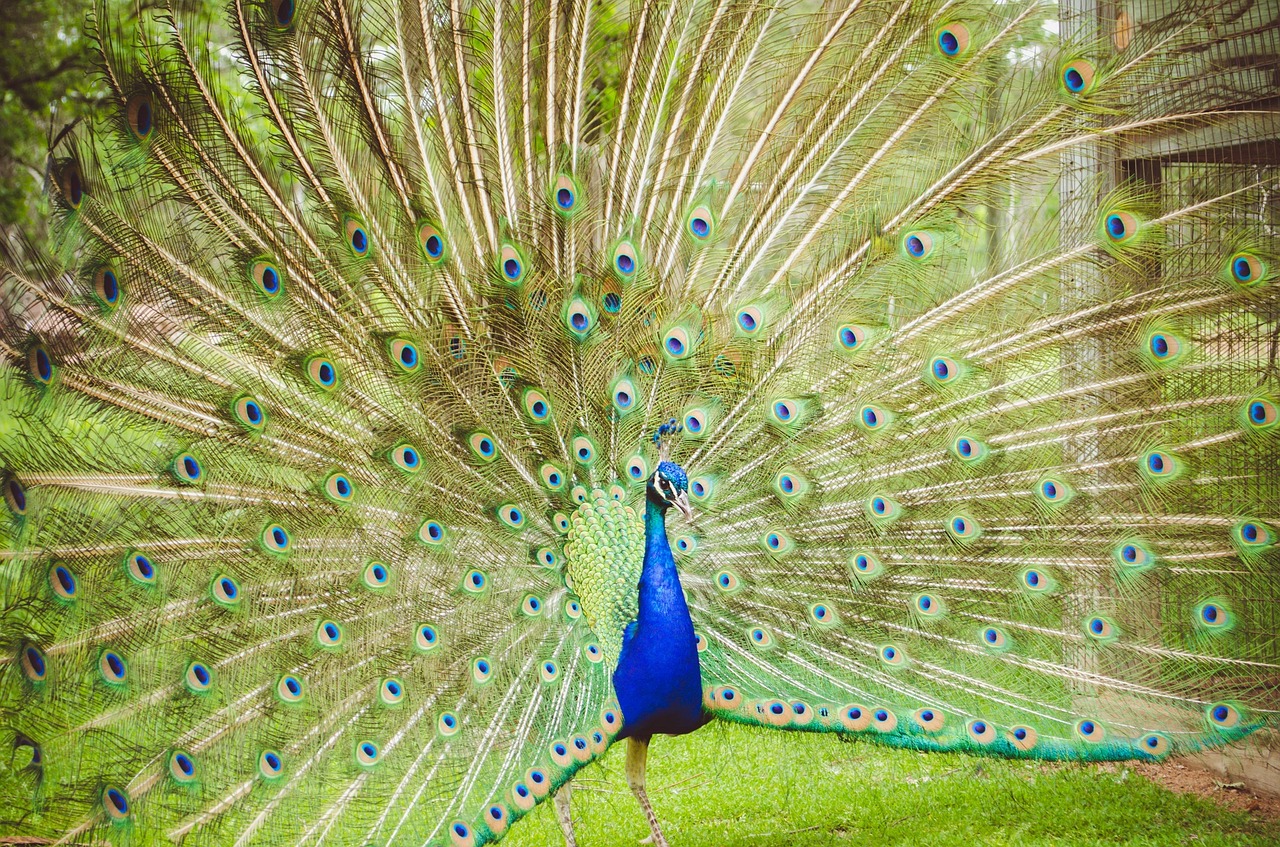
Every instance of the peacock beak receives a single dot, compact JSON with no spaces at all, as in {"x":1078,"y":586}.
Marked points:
{"x":681,"y":502}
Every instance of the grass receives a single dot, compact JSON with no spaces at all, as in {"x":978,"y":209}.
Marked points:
{"x":733,"y":786}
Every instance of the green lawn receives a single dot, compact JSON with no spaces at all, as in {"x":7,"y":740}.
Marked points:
{"x":728,"y":785}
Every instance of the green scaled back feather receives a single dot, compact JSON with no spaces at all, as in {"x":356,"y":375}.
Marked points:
{"x":362,"y":317}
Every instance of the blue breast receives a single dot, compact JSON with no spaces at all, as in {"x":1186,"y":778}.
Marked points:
{"x":657,"y":681}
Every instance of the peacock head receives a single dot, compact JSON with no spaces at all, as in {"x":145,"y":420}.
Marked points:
{"x":669,"y":486}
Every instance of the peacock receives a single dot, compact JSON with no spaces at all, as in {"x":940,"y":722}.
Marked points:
{"x":419,"y":398}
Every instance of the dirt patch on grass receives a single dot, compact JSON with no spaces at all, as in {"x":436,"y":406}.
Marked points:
{"x":1185,"y":779}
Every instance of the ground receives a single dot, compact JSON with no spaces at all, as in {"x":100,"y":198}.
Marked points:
{"x":731,"y":786}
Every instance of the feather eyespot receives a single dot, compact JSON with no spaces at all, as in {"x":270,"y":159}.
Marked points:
{"x":112,"y":667}
{"x":367,"y":754}
{"x":329,"y":634}
{"x":15,"y":497}
{"x":186,"y":468}
{"x":270,"y":765}
{"x":1158,"y":466}
{"x":140,"y":116}
{"x":475,"y":582}
{"x":536,"y":405}
{"x":376,"y":576}
{"x":1077,"y":77}
{"x":289,"y":689}
{"x":822,"y":614}
{"x":511,"y":265}
{"x":637,"y":468}
{"x":357,"y":237}
{"x":1260,"y":415}
{"x":564,"y":195}
{"x":404,"y":355}
{"x":1214,"y":616}
{"x":483,"y":446}
{"x":1023,"y":737}
{"x":63,"y":582}
{"x":775,"y":542}
{"x":1252,"y":537}
{"x":865,"y":567}
{"x":583,"y":449}
{"x":928,"y":606}
{"x":702,"y":489}
{"x":1246,"y":269}
{"x":431,"y":533}
{"x":34,"y":666}
{"x":952,"y":40}
{"x":626,"y":261}
{"x":322,"y":372}
{"x":750,"y":320}
{"x":448,"y":724}
{"x":1101,"y":630}
{"x":1154,"y":744}
{"x":406,"y":458}
{"x":432,"y":242}
{"x":71,"y":184}
{"x":481,"y":670}
{"x":275,"y":539}
{"x":106,"y":286}
{"x":140,"y":568}
{"x":855,"y":717}
{"x":981,"y":732}
{"x":391,"y":691}
{"x":224,"y":590}
{"x":282,"y":12}
{"x":1120,"y":226}
{"x":266,"y":277}
{"x":182,"y":767}
{"x":339,"y":488}
{"x":1090,"y":730}
{"x":1223,"y":716}
{"x":892,"y":655}
{"x":426,"y":638}
{"x":553,"y":478}
{"x":116,"y":803}
{"x":677,"y":344}
{"x":579,"y":318}
{"x":198,"y":678}
{"x":511,"y":515}
{"x":701,"y":223}
{"x":918,"y":245}
{"x":995,"y":639}
{"x":884,"y":720}
{"x":250,"y":413}
{"x":882,"y":510}
{"x":929,"y":719}
{"x":874,"y":418}
{"x":41,"y":365}
{"x":624,"y":396}
{"x":851,"y":338}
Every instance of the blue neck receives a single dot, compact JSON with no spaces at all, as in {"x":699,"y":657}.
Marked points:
{"x":658,"y":681}
{"x":660,"y":591}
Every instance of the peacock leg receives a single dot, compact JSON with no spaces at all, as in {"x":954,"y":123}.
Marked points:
{"x":564,"y":815}
{"x":637,"y":755}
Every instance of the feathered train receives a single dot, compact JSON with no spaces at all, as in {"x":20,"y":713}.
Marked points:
{"x":341,"y":433}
